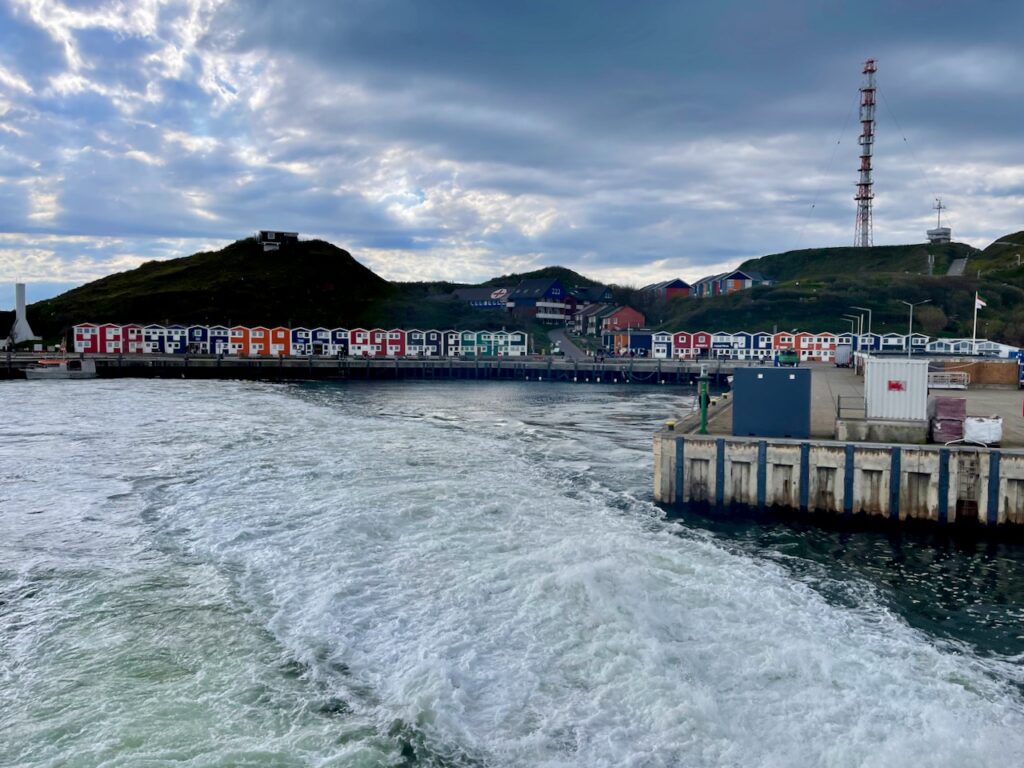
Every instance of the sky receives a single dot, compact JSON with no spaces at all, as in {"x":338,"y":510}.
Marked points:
{"x":463,"y":139}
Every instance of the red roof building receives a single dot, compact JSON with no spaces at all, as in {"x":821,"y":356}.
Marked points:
{"x":623,"y":318}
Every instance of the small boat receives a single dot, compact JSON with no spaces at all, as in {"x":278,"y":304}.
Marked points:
{"x":62,"y":369}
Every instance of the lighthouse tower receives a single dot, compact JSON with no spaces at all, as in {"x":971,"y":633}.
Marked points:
{"x":21,"y":331}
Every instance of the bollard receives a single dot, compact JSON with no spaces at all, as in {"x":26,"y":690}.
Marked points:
{"x":702,"y":399}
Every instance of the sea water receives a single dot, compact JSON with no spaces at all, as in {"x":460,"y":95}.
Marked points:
{"x":457,"y":574}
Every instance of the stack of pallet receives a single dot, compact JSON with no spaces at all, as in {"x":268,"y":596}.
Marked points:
{"x":947,"y":419}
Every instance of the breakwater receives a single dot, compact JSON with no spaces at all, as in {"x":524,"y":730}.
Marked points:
{"x":616,"y":371}
{"x":873,"y":482}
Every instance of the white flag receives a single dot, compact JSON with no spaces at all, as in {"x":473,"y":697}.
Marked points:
{"x":978,"y":303}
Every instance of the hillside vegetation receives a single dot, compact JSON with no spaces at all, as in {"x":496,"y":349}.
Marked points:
{"x":569,"y":278}
{"x":315,"y":283}
{"x":1001,"y":260}
{"x":312,"y":283}
{"x":822,"y":262}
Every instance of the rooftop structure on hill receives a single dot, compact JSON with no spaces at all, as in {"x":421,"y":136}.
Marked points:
{"x":482,"y":298}
{"x":542,"y":299}
{"x":273,"y":240}
{"x":728,"y":282}
{"x":940,"y":234}
{"x":594,"y":294}
{"x":668,"y":289}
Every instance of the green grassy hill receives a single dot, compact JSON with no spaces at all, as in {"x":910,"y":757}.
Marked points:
{"x":310,"y":283}
{"x":822,"y":262}
{"x":315,"y":283}
{"x":569,"y":278}
{"x":1002,"y":260}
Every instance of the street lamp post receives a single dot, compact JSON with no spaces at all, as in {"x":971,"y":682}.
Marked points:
{"x":860,"y":323}
{"x":869,"y":317}
{"x":853,"y":323}
{"x":910,"y":329}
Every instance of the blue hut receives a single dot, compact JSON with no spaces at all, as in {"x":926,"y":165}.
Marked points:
{"x":219,"y":340}
{"x":198,"y":340}
{"x":339,"y":342}
{"x":319,"y":341}
{"x":433,"y":343}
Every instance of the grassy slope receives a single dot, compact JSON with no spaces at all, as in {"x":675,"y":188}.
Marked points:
{"x":998,"y":262}
{"x":569,"y":278}
{"x":822,"y":262}
{"x":319,"y":284}
{"x":311,"y":283}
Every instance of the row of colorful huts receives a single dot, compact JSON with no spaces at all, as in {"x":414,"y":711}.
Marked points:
{"x":110,"y":338}
{"x":811,"y":347}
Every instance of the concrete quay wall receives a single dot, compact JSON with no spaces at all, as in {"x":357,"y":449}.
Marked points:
{"x":894,"y":482}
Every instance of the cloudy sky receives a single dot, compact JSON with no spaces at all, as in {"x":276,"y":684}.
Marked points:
{"x":461,"y":139}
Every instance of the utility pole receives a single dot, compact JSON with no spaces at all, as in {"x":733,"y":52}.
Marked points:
{"x":869,"y":316}
{"x":910,"y":329}
{"x":863,"y":235}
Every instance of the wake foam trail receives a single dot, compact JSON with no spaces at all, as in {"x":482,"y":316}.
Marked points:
{"x":472,"y":598}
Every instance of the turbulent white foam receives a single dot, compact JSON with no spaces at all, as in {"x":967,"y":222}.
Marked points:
{"x":471,"y":569}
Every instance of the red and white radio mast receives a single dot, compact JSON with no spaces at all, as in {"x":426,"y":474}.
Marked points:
{"x":862,"y":236}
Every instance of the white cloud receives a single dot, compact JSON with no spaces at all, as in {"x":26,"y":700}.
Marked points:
{"x":190,"y":143}
{"x":478,"y":175}
{"x":144,"y":157}
{"x":14,"y":81}
{"x":79,"y":259}
{"x":43,"y":204}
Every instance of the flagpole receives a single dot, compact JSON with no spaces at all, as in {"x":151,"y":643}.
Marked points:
{"x":974,"y":333}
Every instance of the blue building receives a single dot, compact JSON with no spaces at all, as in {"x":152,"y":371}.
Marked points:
{"x":320,"y":341}
{"x":198,"y":340}
{"x":219,"y":340}
{"x":339,"y":342}
{"x":543,"y":299}
{"x":433,"y":344}
{"x":299,"y":342}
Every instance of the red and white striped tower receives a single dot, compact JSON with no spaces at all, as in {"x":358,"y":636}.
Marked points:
{"x":862,"y":236}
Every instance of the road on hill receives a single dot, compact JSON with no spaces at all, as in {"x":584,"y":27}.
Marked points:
{"x":561,"y":338}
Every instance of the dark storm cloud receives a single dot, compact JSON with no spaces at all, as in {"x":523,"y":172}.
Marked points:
{"x":463,"y":139}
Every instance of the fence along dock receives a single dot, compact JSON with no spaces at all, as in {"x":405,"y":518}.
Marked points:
{"x":614,"y":371}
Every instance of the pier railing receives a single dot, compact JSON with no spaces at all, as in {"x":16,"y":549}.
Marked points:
{"x":850,"y":407}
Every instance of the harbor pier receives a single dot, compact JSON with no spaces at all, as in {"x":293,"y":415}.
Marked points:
{"x":834,"y":479}
{"x":291,"y":368}
{"x":939,"y":484}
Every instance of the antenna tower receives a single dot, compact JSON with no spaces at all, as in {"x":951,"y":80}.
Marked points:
{"x":939,"y":208}
{"x":862,"y":236}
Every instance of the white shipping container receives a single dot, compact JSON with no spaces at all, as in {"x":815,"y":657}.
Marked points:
{"x":896,"y":388}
